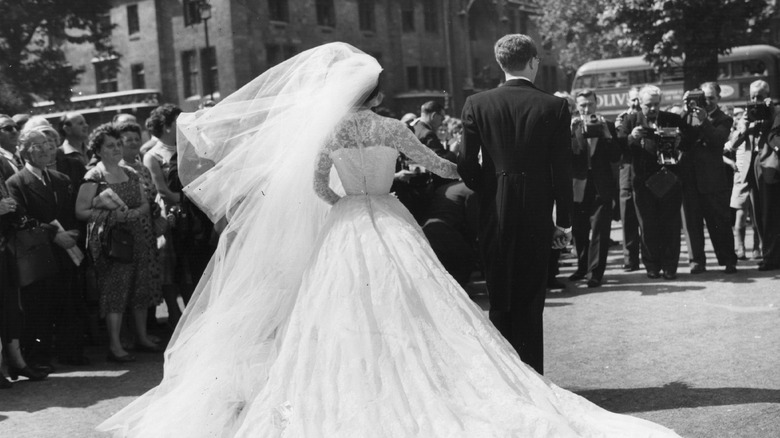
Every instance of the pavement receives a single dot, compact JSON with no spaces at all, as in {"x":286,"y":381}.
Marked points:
{"x":700,"y":355}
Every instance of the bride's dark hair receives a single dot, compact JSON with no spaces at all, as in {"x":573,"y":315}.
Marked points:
{"x":375,"y":91}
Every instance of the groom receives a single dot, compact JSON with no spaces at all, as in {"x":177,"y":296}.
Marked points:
{"x":525,"y":139}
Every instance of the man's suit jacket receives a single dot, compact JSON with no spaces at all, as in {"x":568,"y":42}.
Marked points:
{"x":45,"y":203}
{"x":524,"y":131}
{"x":428,"y":137}
{"x":606,"y":152}
{"x":770,"y":139}
{"x":7,"y":167}
{"x":701,"y":166}
{"x":643,"y":158}
{"x":71,"y":167}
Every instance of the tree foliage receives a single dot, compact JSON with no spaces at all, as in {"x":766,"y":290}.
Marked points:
{"x":32,"y":35}
{"x":578,"y":33}
{"x":695,"y":30}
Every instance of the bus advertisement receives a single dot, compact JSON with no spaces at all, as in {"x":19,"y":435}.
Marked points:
{"x":612,"y":78}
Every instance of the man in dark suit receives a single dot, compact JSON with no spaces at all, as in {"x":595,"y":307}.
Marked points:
{"x":47,"y":196}
{"x":658,"y":212}
{"x":707,"y":186}
{"x":427,"y":127}
{"x":767,"y":182}
{"x":628,"y":220}
{"x":9,"y":137}
{"x":595,"y":148}
{"x":523,"y":134}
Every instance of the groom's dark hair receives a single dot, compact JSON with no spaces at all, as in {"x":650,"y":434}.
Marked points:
{"x":513,"y":51}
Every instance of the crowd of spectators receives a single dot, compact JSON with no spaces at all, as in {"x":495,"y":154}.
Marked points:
{"x":92,"y":227}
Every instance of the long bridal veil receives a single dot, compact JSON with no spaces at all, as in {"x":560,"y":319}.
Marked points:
{"x":250,"y":160}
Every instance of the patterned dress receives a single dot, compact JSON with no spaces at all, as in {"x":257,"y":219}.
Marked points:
{"x":122,"y":283}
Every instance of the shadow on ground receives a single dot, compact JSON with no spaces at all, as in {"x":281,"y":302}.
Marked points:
{"x":676,"y":395}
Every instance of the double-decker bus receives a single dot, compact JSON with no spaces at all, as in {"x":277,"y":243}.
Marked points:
{"x":612,"y":78}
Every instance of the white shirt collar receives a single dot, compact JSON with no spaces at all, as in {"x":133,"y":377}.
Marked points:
{"x":68,"y":148}
{"x":510,"y":77}
{"x":7,"y":154}
{"x":35,"y":171}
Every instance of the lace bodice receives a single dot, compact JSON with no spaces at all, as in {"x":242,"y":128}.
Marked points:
{"x":364,"y":147}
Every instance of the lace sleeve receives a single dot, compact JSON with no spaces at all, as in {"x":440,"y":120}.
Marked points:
{"x":407,"y":143}
{"x":322,"y":177}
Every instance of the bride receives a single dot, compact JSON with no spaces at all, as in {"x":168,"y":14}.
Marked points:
{"x":334,"y":318}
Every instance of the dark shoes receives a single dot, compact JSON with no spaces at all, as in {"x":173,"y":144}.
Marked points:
{"x":698,"y":269}
{"x":28,"y":372}
{"x":42,"y":367}
{"x":670,"y":275}
{"x":653,"y":274}
{"x":577,"y":276}
{"x":631,"y":267}
{"x":159,"y":349}
{"x":594,"y":282}
{"x":767,"y":266}
{"x":730,"y":269}
{"x":554,"y":283}
{"x":111,"y":357}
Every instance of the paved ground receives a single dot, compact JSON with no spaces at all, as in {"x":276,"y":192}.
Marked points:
{"x":700,"y":355}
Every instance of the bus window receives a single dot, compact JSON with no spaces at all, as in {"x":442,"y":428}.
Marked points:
{"x":641,"y":77}
{"x":613,"y":79}
{"x":586,"y":81}
{"x":724,"y":70}
{"x":749,"y":67}
{"x":673,"y":74}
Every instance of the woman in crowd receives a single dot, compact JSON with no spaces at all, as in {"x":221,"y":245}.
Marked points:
{"x":11,"y":317}
{"x":112,"y":197}
{"x":162,"y":124}
{"x":55,"y":300}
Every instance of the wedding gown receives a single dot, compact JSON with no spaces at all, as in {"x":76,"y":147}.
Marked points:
{"x":380,"y":340}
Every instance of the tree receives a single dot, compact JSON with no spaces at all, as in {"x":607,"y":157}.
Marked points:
{"x":695,"y":30}
{"x":576,"y":30}
{"x":32,"y":35}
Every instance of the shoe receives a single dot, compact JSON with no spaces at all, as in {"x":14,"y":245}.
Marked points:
{"x":631,"y":267}
{"x":730,"y":269}
{"x":653,"y":274}
{"x":757,"y":254}
{"x":767,"y":267}
{"x":159,"y":349}
{"x":577,"y":276}
{"x":741,"y":254}
{"x":553,"y":283}
{"x":594,"y":282}
{"x":4,"y":383}
{"x":31,"y":374}
{"x":111,"y":357}
{"x":78,"y":361}
{"x":42,"y":367}
{"x":698,"y":269}
{"x":670,"y":275}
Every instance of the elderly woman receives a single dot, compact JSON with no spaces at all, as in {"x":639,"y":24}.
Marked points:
{"x":113,"y":197}
{"x":54,"y":301}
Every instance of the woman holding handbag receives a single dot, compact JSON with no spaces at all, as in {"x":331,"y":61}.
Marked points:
{"x":113,"y":202}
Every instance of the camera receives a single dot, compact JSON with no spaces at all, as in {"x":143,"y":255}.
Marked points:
{"x":695,"y":98}
{"x":592,"y":126}
{"x":758,"y":112}
{"x":667,"y":141}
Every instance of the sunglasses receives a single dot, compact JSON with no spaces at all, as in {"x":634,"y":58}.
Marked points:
{"x":9,"y":128}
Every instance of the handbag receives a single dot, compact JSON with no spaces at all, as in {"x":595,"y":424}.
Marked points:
{"x":661,"y":182}
{"x":770,"y":168}
{"x":118,"y":244}
{"x":34,"y":255}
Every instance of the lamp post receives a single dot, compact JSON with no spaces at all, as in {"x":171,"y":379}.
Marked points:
{"x":205,"y":15}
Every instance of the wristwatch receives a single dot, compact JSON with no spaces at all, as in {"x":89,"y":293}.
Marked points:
{"x":565,"y":230}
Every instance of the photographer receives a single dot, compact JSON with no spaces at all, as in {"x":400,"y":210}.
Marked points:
{"x":766,"y":167}
{"x":631,"y":240}
{"x":594,"y":148}
{"x":706,"y":184}
{"x":654,"y":139}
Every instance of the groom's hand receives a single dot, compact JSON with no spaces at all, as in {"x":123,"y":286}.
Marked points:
{"x":561,"y":238}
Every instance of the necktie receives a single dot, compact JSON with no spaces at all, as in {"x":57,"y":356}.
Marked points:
{"x":46,"y":179}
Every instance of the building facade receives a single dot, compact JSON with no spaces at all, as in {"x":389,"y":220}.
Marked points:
{"x":190,"y":51}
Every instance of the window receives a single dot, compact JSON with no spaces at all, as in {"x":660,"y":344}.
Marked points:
{"x":326,"y":13}
{"x":412,"y":78}
{"x":208,"y":58}
{"x":106,"y":75}
{"x":433,"y":78}
{"x":366,"y":15}
{"x":749,"y":67}
{"x":190,"y":72}
{"x":133,"y":25}
{"x":138,"y":76}
{"x":407,"y":15}
{"x":191,"y":12}
{"x":431,"y":16}
{"x":276,"y":53}
{"x":278,"y":10}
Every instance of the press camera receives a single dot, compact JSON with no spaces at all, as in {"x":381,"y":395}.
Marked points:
{"x":695,"y":99}
{"x":758,"y":112}
{"x":592,"y":126}
{"x":667,"y":142}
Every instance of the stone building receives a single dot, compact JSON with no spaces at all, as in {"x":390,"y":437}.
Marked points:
{"x":189,"y":51}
